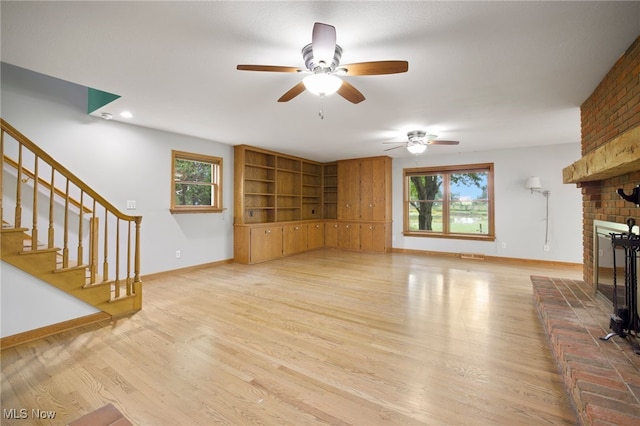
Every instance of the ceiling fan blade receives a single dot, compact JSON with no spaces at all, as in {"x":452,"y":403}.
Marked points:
{"x":292,"y":93}
{"x":436,"y":142}
{"x":395,"y":147}
{"x":350,"y":93}
{"x":323,"y":42}
{"x":376,"y":67}
{"x":268,"y":68}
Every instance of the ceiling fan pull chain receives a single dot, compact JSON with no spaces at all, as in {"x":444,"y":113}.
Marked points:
{"x":321,"y":112}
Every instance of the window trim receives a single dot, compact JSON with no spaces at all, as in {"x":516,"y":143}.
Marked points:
{"x":408,"y":172}
{"x":216,"y":183}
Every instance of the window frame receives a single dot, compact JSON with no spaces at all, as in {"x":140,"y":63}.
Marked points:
{"x":216,"y":183}
{"x":446,"y":199}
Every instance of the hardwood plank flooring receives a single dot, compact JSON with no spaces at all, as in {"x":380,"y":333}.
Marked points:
{"x":326,"y":337}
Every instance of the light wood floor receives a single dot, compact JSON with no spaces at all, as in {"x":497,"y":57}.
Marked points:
{"x":327,"y":337}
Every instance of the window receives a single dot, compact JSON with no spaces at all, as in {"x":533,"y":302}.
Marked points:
{"x":449,"y":202}
{"x":197,"y":183}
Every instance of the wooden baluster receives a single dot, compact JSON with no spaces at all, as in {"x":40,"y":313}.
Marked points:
{"x":80,"y":229}
{"x":34,"y":225}
{"x":65,"y":247}
{"x":17,"y":220}
{"x":117,"y":278}
{"x":93,"y":244}
{"x":50,"y":238}
{"x":105,"y":263}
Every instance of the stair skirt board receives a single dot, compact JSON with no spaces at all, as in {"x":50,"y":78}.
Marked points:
{"x":50,"y":330}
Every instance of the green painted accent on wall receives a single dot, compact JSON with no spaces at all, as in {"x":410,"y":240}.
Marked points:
{"x":98,"y":99}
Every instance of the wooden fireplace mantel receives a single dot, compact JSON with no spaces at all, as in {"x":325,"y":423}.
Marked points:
{"x":617,"y":157}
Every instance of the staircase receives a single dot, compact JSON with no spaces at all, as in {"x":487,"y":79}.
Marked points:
{"x":90,"y":249}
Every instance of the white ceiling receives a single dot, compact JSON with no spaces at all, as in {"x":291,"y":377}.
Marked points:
{"x":489,"y":74}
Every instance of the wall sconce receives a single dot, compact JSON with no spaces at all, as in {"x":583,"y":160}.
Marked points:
{"x":533,"y":184}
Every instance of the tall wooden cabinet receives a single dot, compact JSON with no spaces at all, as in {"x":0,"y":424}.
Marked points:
{"x":364,"y":204}
{"x":285,"y":205}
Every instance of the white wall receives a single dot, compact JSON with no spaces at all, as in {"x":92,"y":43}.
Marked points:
{"x":520,"y":215}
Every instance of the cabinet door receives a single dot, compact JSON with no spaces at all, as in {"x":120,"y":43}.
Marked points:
{"x":349,"y":236}
{"x":349,"y":190}
{"x":375,"y":188}
{"x":266,"y":243}
{"x":315,"y":235}
{"x":294,"y":238}
{"x":331,"y":234}
{"x":373,"y":237}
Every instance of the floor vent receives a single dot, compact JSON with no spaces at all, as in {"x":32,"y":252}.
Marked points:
{"x":476,"y":256}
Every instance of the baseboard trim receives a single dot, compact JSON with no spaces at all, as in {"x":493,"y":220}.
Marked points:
{"x":50,"y":330}
{"x":500,"y":259}
{"x":165,"y":274}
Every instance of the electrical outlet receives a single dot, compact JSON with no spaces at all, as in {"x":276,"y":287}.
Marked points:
{"x":131,"y":204}
{"x":546,"y":247}
{"x":178,"y":254}
{"x":504,"y":245}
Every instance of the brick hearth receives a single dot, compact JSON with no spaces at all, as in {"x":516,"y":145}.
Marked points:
{"x":602,"y":378}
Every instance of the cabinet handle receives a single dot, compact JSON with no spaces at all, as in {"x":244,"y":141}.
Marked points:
{"x":347,"y":205}
{"x":296,"y":228}
{"x":268,"y":231}
{"x":347,"y":226}
{"x":335,"y":226}
{"x":371,"y":227}
{"x":371,"y":205}
{"x":317,"y":226}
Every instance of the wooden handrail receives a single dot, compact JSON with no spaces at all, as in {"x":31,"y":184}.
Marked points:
{"x":13,"y":163}
{"x":116,"y":252}
{"x":23,"y":140}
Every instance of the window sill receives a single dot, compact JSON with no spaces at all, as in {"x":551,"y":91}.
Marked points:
{"x":450,"y":236}
{"x":182,"y":210}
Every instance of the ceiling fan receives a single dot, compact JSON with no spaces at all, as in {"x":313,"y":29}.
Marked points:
{"x":417,"y":141}
{"x":322,"y":63}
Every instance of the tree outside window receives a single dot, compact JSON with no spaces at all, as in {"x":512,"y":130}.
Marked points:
{"x":196,"y":185}
{"x":451,"y":201}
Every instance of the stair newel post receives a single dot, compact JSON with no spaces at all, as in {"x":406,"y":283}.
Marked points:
{"x":34,"y":225}
{"x":117,"y":278}
{"x":18,"y":216}
{"x":105,"y":263}
{"x":1,"y":174}
{"x":50,"y":242}
{"x":136,"y":267}
{"x":128,"y":281}
{"x":80,"y":229}
{"x":65,"y":247}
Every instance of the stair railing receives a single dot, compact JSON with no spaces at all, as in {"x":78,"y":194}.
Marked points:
{"x":74,"y":209}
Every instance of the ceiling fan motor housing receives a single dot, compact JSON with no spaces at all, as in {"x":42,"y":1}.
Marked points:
{"x":309,"y":61}
{"x":416,"y":135}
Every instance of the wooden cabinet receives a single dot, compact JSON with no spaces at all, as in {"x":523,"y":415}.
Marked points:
{"x":349,"y":235}
{"x":285,"y":204}
{"x":315,"y":235}
{"x":374,"y":237}
{"x":294,"y":238}
{"x":364,"y":204}
{"x":254,"y":243}
{"x":331,"y":234}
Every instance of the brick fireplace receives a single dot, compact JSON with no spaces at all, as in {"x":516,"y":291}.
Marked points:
{"x":601,"y":377}
{"x":610,"y":123}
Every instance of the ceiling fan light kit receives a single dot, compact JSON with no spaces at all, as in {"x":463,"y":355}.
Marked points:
{"x":322,"y":84}
{"x":417,"y":147}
